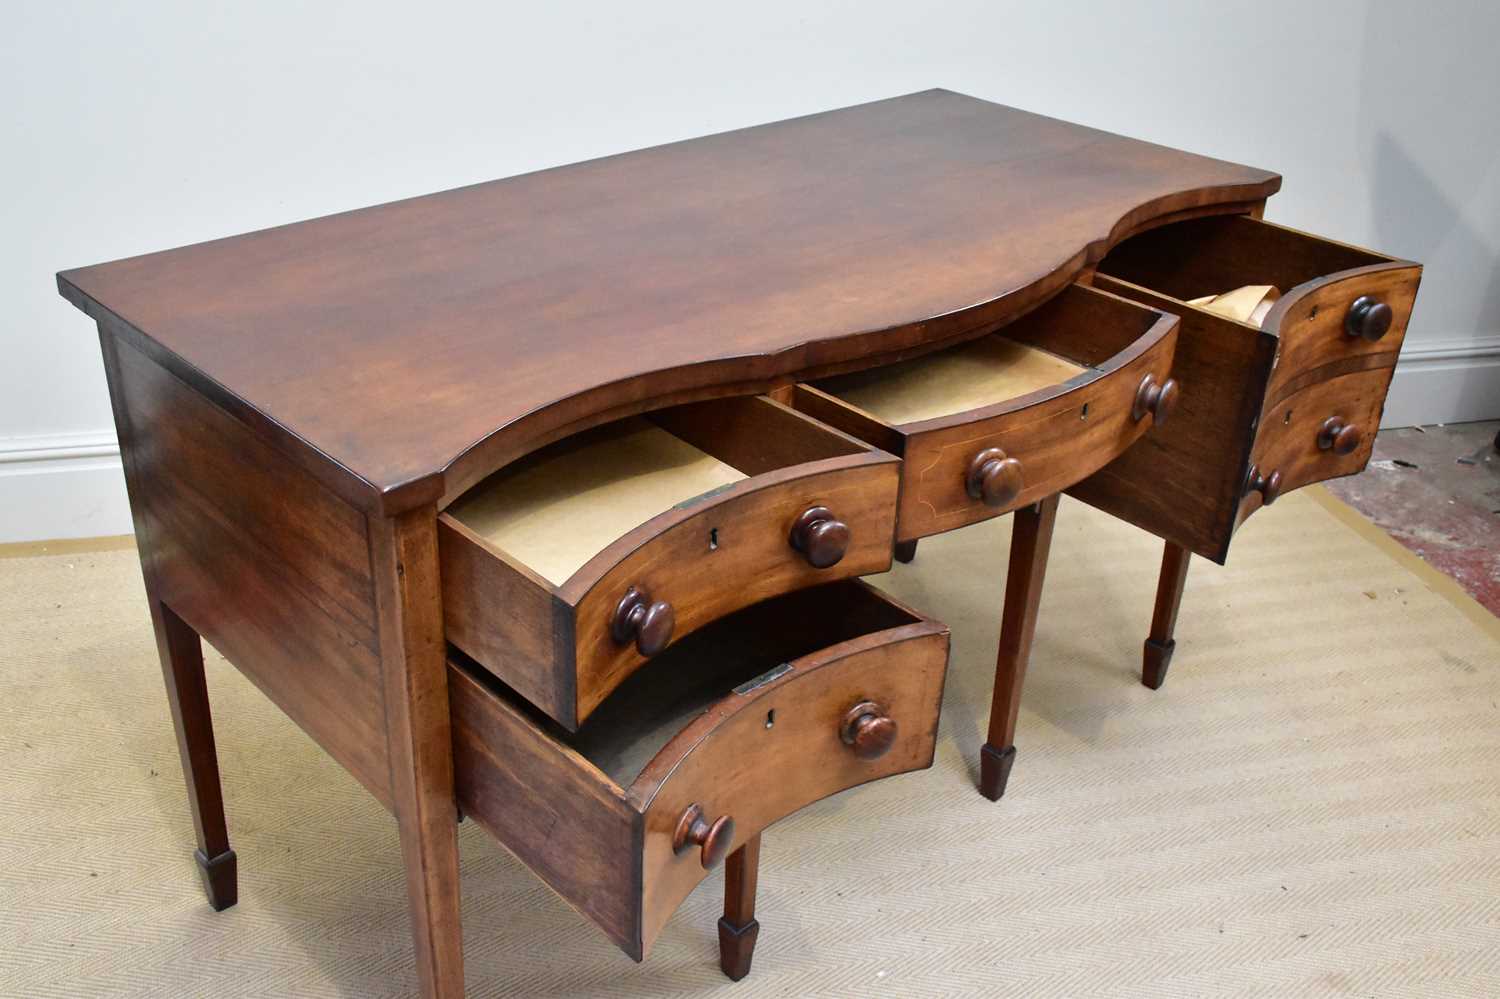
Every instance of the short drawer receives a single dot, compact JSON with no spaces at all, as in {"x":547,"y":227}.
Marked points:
{"x":1320,"y":432}
{"x":735,"y":727}
{"x":1340,"y":308}
{"x":564,"y":572}
{"x":1003,"y":421}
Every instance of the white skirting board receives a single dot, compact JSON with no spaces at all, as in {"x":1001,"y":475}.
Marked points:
{"x":62,"y":486}
{"x":72,"y":485}
{"x":1437,"y":381}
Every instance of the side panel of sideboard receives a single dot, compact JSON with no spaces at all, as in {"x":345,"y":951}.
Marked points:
{"x":268,"y":565}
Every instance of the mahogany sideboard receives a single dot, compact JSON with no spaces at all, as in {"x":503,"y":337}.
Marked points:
{"x":542,"y":501}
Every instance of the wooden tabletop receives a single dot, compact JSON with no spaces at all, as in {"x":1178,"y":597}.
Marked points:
{"x":404,"y":351}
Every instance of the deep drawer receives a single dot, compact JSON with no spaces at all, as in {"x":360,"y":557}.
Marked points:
{"x":748,"y":720}
{"x":1006,"y":420}
{"x":1342,"y":311}
{"x":563,"y":573}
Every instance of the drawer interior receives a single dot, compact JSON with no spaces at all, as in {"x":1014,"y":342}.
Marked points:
{"x":1215,"y":255}
{"x":640,"y":717}
{"x":1071,"y":335}
{"x":558,"y":507}
{"x":743,"y":718}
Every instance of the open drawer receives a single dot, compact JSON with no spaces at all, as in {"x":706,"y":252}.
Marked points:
{"x":565,"y":571}
{"x":1003,"y":421}
{"x":736,"y":726}
{"x":1325,"y":350}
{"x":1339,"y":306}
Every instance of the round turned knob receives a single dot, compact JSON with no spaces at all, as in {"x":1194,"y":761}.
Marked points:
{"x":994,"y":477}
{"x":650,"y":624}
{"x":1368,"y":318}
{"x":1269,"y":486}
{"x":868,"y":730}
{"x":1156,"y":398}
{"x":713,"y":837}
{"x":1338,"y":436}
{"x":820,"y":536}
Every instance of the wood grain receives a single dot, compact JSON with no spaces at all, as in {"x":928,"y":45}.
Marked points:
{"x":571,"y":296}
{"x":404,"y":562}
{"x":589,"y":812}
{"x":1031,"y":541}
{"x":1288,"y":438}
{"x":548,"y":805}
{"x":554,"y":644}
{"x":287,"y":614}
{"x":1183,"y":481}
{"x":733,"y":764}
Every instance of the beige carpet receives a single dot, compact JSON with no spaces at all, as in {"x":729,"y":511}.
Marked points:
{"x":1311,"y":806}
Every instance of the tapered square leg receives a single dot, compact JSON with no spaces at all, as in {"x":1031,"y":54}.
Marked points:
{"x":187,"y":695}
{"x":905,"y":551}
{"x":1031,"y":541}
{"x":738,"y":927}
{"x":403,"y":554}
{"x":1156,"y":655}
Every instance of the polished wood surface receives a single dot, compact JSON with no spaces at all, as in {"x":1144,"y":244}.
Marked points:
{"x":711,"y":837}
{"x":721,"y":736}
{"x":1156,"y":654}
{"x":566,"y":647}
{"x":413,"y":655}
{"x":1183,"y":481}
{"x":976,"y":464}
{"x":258,"y":558}
{"x":187,"y":696}
{"x":437,"y":338}
{"x":1293,"y":432}
{"x":302,"y":409}
{"x":1030,"y":542}
{"x":738,"y":927}
{"x":1292,"y":397}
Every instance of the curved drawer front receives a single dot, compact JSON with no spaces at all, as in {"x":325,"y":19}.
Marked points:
{"x":1326,"y":348}
{"x":1314,"y":323}
{"x":755,"y":499}
{"x":1323,"y":431}
{"x":715,"y":725}
{"x":1057,"y":442}
{"x":1030,"y":410}
{"x":730,"y":552}
{"x":761,"y":755}
{"x":1341,"y":308}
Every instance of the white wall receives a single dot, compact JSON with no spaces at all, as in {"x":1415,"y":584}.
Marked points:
{"x":135,"y":127}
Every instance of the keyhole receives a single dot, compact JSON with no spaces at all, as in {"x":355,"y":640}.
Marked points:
{"x":713,"y":539}
{"x":1288,"y":419}
{"x":771,"y":718}
{"x":1085,"y":414}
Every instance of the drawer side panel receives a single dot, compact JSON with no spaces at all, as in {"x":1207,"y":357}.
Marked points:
{"x":548,"y":806}
{"x":1182,"y":481}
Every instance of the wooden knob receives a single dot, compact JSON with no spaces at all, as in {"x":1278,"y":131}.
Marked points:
{"x":1338,"y":436}
{"x":868,"y":730}
{"x":994,"y":477}
{"x":1368,"y":318}
{"x":1269,"y":486}
{"x":650,"y":624}
{"x":820,"y":536}
{"x":1156,"y":398}
{"x":713,"y":837}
